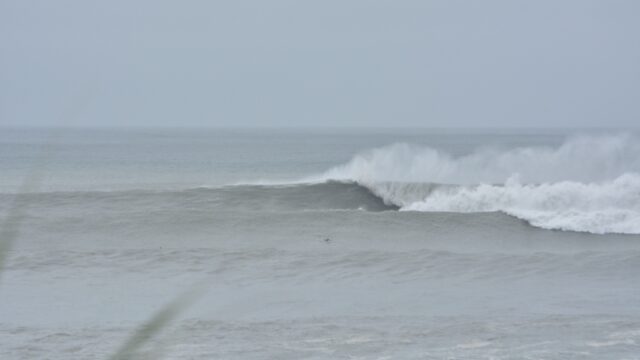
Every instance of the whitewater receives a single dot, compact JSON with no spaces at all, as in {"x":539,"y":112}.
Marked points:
{"x":589,"y":184}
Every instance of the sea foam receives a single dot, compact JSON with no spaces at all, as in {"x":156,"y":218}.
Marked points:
{"x":606,"y":207}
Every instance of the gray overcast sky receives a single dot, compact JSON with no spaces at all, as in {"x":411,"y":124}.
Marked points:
{"x":320,"y":63}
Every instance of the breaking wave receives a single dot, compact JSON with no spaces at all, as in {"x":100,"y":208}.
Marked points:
{"x":588,"y":184}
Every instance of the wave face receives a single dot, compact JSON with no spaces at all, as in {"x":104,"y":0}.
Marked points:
{"x":329,"y":195}
{"x":589,"y":184}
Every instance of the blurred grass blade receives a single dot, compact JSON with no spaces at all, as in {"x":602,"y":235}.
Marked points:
{"x":160,"y":320}
{"x":10,"y":227}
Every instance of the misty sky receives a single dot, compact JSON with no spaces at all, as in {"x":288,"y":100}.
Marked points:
{"x":320,"y":63}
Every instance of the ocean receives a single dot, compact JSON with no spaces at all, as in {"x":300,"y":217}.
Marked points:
{"x":323,"y":243}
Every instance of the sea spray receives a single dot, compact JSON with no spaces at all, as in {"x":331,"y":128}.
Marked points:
{"x":579,"y":158}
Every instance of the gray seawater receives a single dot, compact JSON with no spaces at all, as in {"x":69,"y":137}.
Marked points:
{"x":311,"y":246}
